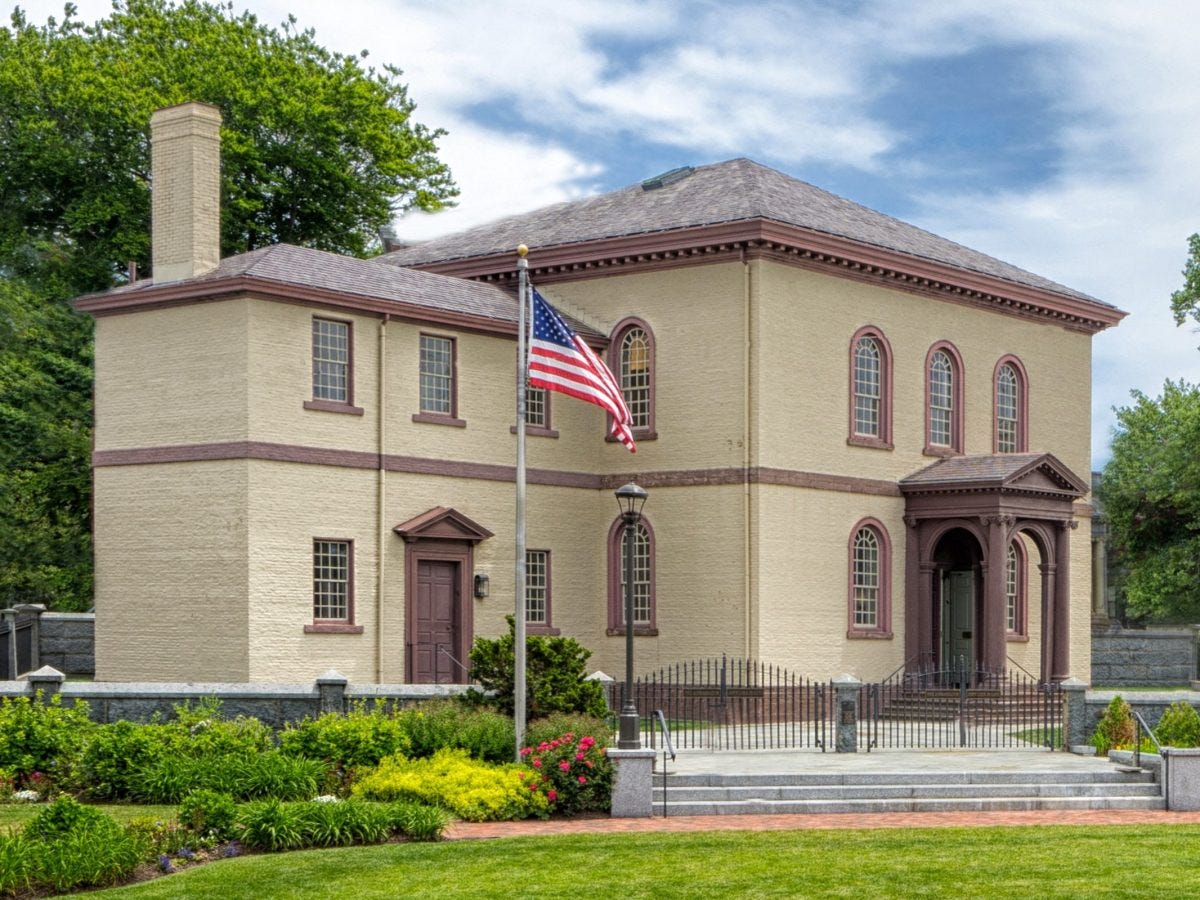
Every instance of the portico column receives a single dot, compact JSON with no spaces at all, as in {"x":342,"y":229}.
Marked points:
{"x":993,"y":648}
{"x":1062,"y":601}
{"x":913,"y":604}
{"x":1048,"y":570}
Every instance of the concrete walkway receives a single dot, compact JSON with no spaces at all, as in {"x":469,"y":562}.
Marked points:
{"x":770,"y":762}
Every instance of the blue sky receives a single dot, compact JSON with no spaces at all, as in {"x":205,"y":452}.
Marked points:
{"x":1059,"y":135}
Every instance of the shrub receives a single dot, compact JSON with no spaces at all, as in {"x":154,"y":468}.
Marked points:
{"x":61,"y":817}
{"x":272,"y":774}
{"x":1179,"y":726}
{"x":208,"y":814}
{"x":1115,"y":730}
{"x":470,"y":789}
{"x":115,"y":754}
{"x":541,"y":731}
{"x":574,"y":774}
{"x":450,"y":725}
{"x":158,"y":837}
{"x":41,"y":741}
{"x":358,"y":739}
{"x":198,"y":730}
{"x":554,"y":674}
{"x":418,"y":821}
{"x":344,"y":823}
{"x":270,"y":825}
{"x":16,"y":863}
{"x":79,"y":846}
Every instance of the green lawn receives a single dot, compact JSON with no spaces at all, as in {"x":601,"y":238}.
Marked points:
{"x":1043,"y":862}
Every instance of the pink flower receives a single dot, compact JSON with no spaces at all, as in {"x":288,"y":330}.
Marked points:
{"x":537,"y":763}
{"x":551,"y":796}
{"x":564,"y":765}
{"x":589,"y":763}
{"x":525,"y":751}
{"x":586,"y":743}
{"x":579,"y":757}
{"x":533,"y":784}
{"x":582,"y":780}
{"x":543,"y":746}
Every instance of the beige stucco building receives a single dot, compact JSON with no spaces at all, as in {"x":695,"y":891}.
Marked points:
{"x":862,"y":442}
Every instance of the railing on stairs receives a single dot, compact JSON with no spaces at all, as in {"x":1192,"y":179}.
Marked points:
{"x":1140,"y":728}
{"x":667,"y":747}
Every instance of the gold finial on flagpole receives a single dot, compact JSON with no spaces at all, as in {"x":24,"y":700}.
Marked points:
{"x":522,"y":250}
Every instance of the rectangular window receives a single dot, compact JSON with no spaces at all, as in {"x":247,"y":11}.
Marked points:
{"x":437,"y":375}
{"x":331,"y":581}
{"x":535,"y":408}
{"x":331,"y":360}
{"x":537,"y":587}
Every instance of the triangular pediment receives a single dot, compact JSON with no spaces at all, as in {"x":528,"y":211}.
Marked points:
{"x":442,"y":523}
{"x":1036,"y":473}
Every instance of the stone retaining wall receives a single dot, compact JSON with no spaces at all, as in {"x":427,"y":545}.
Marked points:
{"x":1127,"y":657}
{"x":68,"y":643}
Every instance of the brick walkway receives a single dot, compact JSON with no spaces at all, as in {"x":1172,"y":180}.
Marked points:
{"x":606,"y":825}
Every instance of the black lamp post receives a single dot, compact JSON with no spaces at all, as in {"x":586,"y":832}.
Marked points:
{"x":631,"y":499}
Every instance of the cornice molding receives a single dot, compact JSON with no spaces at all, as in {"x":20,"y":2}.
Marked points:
{"x":813,"y":250}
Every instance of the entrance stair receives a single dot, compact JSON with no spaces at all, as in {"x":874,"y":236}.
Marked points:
{"x":954,"y":787}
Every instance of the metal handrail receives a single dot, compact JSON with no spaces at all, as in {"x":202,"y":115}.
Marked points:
{"x":1022,"y":668}
{"x":668,"y":747}
{"x":1137,"y":753}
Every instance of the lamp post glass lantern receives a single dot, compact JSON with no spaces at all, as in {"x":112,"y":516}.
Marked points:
{"x":630,"y":499}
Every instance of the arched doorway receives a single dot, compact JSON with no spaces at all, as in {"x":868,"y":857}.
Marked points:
{"x":957,"y":617}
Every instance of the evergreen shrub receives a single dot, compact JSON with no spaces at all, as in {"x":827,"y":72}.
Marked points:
{"x":41,"y":740}
{"x":1179,"y":726}
{"x":1115,"y":730}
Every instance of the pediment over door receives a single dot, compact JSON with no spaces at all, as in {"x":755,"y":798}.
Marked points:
{"x":1040,"y":474}
{"x":442,"y":523}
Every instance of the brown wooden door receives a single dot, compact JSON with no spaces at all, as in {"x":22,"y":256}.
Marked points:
{"x":437,"y":625}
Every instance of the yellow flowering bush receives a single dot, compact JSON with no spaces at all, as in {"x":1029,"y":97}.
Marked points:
{"x":471,"y":790}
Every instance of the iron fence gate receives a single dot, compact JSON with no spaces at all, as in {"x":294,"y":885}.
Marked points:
{"x":962,"y":707}
{"x":17,"y":644}
{"x":734,"y":704}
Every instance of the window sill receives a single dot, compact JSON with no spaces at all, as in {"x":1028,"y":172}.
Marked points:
{"x":638,"y":631}
{"x":638,"y":436}
{"x":535,"y":431}
{"x":862,"y":440}
{"x":333,"y":407}
{"x":941,"y":452}
{"x":854,"y":635}
{"x":435,"y":419}
{"x":549,"y":630}
{"x":332,"y":628}
{"x":1013,"y":638}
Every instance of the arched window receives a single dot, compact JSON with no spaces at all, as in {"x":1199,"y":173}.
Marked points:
{"x":643,"y":578}
{"x":1011,"y":408}
{"x":869,"y":601}
{"x":870,"y":389}
{"x":944,"y":401}
{"x":1014,"y":591}
{"x":632,"y":359}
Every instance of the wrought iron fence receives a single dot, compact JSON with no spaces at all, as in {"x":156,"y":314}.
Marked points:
{"x":962,"y":706}
{"x":735,"y":704}
{"x":18,"y":643}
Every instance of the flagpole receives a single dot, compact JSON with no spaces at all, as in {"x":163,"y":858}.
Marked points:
{"x":519,"y":592}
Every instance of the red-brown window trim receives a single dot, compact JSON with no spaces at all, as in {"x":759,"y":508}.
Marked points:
{"x":337,"y":626}
{"x":544,"y":430}
{"x":957,"y":428}
{"x":883,"y":617}
{"x":429,"y":416}
{"x":336,"y":406}
{"x":650,"y":431}
{"x":616,"y":599}
{"x":546,"y":627}
{"x":1021,"y":633}
{"x":1022,"y":403}
{"x":883,"y":441}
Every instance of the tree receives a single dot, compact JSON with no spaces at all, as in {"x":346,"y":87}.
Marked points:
{"x":1150,"y":492}
{"x":317,"y":150}
{"x":1185,"y":302}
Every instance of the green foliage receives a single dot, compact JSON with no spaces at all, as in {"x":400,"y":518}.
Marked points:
{"x":540,"y":731}
{"x":554,"y":674}
{"x":447,"y":724}
{"x":272,"y":774}
{"x":358,"y":739}
{"x":40,"y":741}
{"x":1115,"y":730}
{"x":199,"y":730}
{"x":1179,"y":726}
{"x":1150,"y":493}
{"x":159,"y":836}
{"x":16,"y":862}
{"x":208,"y":813}
{"x":468,"y":788}
{"x":418,"y":821}
{"x":271,"y":825}
{"x":69,"y":845}
{"x":61,"y":817}
{"x":317,"y":150}
{"x":346,"y":822}
{"x":115,"y":754}
{"x":574,"y":773}
{"x":1185,"y":302}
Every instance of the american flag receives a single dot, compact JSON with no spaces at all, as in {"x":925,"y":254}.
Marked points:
{"x":559,"y":360}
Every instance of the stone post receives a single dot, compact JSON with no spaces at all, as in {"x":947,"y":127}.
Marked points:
{"x":47,"y":680}
{"x":34,"y":610}
{"x":846,"y":690}
{"x":633,"y":783}
{"x":1195,"y":679}
{"x":331,"y":687}
{"x":1077,"y":729}
{"x":9,"y":617}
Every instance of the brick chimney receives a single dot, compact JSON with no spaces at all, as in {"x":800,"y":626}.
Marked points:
{"x":185,"y":166}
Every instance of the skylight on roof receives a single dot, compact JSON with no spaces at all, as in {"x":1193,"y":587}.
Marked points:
{"x":661,"y":181}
